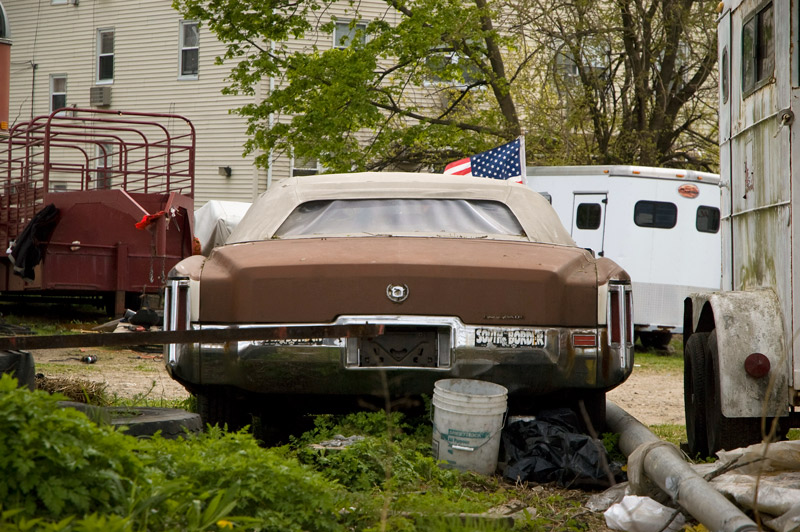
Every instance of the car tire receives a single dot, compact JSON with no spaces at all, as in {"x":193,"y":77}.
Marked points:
{"x":724,"y":432}
{"x":694,"y":393}
{"x":20,"y":365}
{"x":595,"y":405}
{"x":217,"y":407}
{"x":146,"y":421}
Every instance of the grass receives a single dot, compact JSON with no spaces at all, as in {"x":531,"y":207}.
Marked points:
{"x":48,"y":319}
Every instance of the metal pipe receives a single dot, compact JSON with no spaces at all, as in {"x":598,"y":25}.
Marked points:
{"x":665,"y":466}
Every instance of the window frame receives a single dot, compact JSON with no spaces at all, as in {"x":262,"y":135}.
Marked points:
{"x":100,"y":55}
{"x":53,"y":78}
{"x":182,"y":48}
{"x":753,"y":59}
{"x":350,"y":33}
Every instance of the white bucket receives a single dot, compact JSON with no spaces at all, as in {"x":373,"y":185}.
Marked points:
{"x":468,"y":416}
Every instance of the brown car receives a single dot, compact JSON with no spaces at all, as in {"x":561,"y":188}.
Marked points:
{"x":468,"y":277}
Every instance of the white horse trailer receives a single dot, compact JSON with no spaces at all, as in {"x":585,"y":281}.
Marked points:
{"x":660,"y":224}
{"x":741,"y":347}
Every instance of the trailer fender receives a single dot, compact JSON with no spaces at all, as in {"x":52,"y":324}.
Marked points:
{"x":746,"y":322}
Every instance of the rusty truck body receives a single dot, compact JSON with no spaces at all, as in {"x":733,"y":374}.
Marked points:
{"x":742,"y":350}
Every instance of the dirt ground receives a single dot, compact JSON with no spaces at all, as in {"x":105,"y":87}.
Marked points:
{"x":654,"y":398}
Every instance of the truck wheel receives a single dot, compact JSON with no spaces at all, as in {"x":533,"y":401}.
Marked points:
{"x":694,"y":392}
{"x":146,"y":421}
{"x":724,"y":432}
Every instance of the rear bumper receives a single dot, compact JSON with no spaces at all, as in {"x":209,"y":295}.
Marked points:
{"x":528,"y":361}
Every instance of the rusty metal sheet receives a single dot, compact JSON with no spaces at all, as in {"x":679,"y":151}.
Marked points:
{"x":191,"y":336}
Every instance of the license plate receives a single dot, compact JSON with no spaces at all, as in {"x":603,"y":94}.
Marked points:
{"x":509,"y":338}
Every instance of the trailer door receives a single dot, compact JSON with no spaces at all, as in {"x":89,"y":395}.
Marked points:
{"x":589,"y":221}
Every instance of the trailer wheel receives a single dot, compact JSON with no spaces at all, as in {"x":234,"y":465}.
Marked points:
{"x":724,"y":432}
{"x":146,"y":421}
{"x":658,"y":340}
{"x":694,"y":392}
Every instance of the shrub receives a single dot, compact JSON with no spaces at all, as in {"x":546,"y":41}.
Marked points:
{"x":55,"y":462}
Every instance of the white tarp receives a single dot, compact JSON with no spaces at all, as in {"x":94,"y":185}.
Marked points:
{"x":214,"y":221}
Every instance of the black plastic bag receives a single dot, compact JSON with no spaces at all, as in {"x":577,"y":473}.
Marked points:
{"x":550,"y":449}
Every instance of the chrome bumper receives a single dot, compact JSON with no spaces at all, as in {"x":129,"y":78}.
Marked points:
{"x":526,"y":360}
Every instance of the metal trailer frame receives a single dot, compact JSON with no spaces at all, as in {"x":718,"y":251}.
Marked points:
{"x":107,"y":172}
{"x":742,"y":356}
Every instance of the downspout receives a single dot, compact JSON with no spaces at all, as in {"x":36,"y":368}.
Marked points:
{"x":271,"y":119}
{"x":664,"y":465}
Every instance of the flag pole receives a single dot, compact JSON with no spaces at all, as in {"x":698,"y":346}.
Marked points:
{"x":522,"y":159}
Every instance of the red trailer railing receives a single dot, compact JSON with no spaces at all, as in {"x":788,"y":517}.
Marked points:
{"x":105,"y":170}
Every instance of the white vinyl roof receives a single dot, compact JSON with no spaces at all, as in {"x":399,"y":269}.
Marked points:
{"x":537,"y":217}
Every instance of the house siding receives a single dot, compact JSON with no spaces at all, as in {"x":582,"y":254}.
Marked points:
{"x":62,"y":39}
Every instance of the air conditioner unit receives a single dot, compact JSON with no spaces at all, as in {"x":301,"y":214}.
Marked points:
{"x":100,"y":96}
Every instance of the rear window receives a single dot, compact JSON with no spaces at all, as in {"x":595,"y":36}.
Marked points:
{"x":659,"y":214}
{"x":707,"y":219}
{"x":378,"y":217}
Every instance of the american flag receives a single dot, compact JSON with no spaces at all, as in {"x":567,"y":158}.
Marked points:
{"x":504,"y":162}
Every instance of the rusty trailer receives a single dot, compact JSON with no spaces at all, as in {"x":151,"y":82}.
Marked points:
{"x":123,"y":186}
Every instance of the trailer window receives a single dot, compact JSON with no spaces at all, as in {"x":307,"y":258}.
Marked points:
{"x":658,"y":214}
{"x":588,"y":216}
{"x":707,"y":219}
{"x":758,"y":49}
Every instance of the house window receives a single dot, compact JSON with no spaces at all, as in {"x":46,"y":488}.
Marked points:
{"x":758,"y":49}
{"x":657,"y":214}
{"x":452,"y":68}
{"x":304,"y":166}
{"x":105,"y":56}
{"x":707,"y":219}
{"x":190,"y":49}
{"x":58,"y":91}
{"x":588,"y":216}
{"x":346,"y":32}
{"x":104,"y":162}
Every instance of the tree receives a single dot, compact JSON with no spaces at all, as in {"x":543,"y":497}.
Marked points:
{"x":636,"y":78}
{"x":430,"y":81}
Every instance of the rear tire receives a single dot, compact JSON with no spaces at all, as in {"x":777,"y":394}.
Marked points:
{"x":217,"y":407}
{"x":594,"y":404}
{"x":724,"y":432}
{"x":694,"y":392}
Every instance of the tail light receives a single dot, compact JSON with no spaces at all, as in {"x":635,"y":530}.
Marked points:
{"x":177,"y":308}
{"x":620,"y":315}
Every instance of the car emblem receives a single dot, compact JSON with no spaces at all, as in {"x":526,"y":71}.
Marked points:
{"x":397,"y":292}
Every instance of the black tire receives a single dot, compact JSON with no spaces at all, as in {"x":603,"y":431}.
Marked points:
{"x":594,"y":405}
{"x":695,"y":354}
{"x":20,"y":365}
{"x":146,"y":421}
{"x":724,"y":432}
{"x":217,"y":407}
{"x":98,"y":414}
